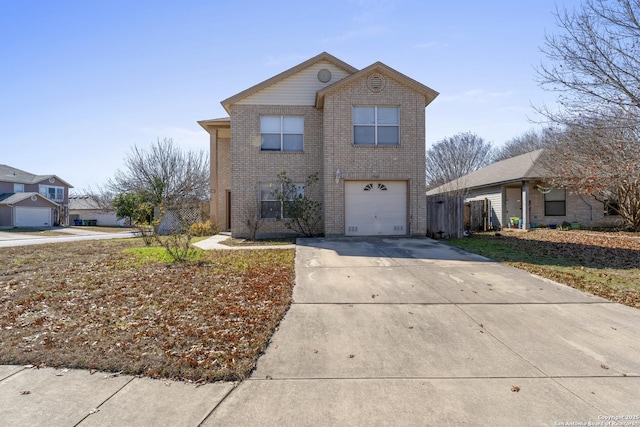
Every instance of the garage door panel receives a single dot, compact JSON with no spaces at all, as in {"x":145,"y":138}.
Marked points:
{"x":375,"y":208}
{"x":32,"y":217}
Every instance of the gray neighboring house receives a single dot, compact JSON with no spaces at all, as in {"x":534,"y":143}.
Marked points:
{"x":516,"y":188}
{"x":84,"y":210}
{"x":29,"y":200}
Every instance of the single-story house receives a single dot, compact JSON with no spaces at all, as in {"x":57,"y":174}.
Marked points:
{"x":84,"y":210}
{"x":29,"y":200}
{"x":362,"y":132}
{"x":516,"y":188}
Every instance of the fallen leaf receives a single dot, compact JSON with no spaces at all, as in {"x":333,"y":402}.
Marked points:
{"x":25,"y":392}
{"x":603,"y":366}
{"x":515,"y":388}
{"x":351,"y":356}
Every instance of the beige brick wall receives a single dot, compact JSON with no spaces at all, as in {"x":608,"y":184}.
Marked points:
{"x":404,"y":162}
{"x":251,"y":166}
{"x":585,"y":210}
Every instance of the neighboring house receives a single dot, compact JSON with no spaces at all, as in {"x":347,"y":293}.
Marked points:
{"x":28,"y":200}
{"x":516,"y":188}
{"x":84,"y":210}
{"x":361,"y":131}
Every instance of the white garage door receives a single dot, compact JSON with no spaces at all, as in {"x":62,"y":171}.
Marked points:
{"x":375,"y":208}
{"x":33,"y":217}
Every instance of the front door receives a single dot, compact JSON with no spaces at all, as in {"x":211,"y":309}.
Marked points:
{"x":513,"y":205}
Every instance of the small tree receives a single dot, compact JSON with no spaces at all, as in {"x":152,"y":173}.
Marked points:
{"x":601,"y":162}
{"x":178,"y":242}
{"x":134,"y":208}
{"x":252,"y":219}
{"x":301,"y":214}
{"x":164,"y":174}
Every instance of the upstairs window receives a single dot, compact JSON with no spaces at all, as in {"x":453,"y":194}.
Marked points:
{"x":52,"y":193}
{"x":555,"y":202}
{"x":18,"y":188}
{"x":376,"y":125}
{"x":281,"y":133}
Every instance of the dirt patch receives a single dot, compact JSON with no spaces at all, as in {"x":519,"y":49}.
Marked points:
{"x":94,"y":305}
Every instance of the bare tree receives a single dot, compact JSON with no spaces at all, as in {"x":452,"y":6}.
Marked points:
{"x":603,"y":162}
{"x":525,"y":143}
{"x":251,"y":216}
{"x":595,"y":69}
{"x":164,"y":174}
{"x":456,"y":156}
{"x":100,"y":197}
{"x":594,"y":62}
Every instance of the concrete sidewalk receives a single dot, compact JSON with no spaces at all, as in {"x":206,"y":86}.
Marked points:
{"x":386,"y":332}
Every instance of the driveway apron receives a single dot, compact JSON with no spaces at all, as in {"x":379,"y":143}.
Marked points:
{"x":414,"y":332}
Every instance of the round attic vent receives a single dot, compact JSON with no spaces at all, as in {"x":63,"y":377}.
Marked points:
{"x":375,"y":82}
{"x":34,"y":198}
{"x":324,"y":75}
{"x":52,"y":180}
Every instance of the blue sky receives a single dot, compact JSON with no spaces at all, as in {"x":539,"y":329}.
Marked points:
{"x":81,"y":82}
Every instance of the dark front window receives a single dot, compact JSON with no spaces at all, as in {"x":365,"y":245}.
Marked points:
{"x":611,"y":207}
{"x":555,"y":203}
{"x":376,"y":126}
{"x":281,"y":133}
{"x":270,"y":208}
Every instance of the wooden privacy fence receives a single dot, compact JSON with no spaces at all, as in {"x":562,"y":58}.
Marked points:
{"x":445,"y":217}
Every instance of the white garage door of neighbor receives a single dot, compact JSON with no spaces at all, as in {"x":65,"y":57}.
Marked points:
{"x":33,"y":217}
{"x":375,"y":208}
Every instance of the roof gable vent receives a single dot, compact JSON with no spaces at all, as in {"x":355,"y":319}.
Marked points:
{"x":376,"y":82}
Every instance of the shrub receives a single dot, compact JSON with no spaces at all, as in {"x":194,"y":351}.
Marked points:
{"x":202,"y":229}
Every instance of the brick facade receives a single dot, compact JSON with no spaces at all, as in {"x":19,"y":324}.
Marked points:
{"x":241,"y":166}
{"x":405,"y":162}
{"x":252,"y":167}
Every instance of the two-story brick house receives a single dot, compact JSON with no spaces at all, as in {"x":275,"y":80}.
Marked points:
{"x":28,"y":200}
{"x":361,"y":131}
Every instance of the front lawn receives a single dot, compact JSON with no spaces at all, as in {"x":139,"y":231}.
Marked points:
{"x":114,"y":306}
{"x":603,"y":264}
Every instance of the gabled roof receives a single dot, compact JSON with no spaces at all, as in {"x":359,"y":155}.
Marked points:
{"x":13,"y":198}
{"x":525,"y":167}
{"x":324,"y":56}
{"x":11,"y":174}
{"x":429,"y":94}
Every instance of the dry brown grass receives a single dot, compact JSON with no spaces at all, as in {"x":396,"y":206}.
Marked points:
{"x":606,"y":264}
{"x":110,"y":305}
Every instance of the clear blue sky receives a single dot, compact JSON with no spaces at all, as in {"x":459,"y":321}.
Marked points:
{"x":81,"y":81}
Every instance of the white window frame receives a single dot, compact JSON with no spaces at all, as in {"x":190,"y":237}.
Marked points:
{"x":376,"y":125}
{"x":18,"y":188}
{"x":58,"y":192}
{"x":266,"y":195}
{"x":281,"y":132}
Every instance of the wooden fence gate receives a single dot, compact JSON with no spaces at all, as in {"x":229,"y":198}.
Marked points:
{"x":445,"y":217}
{"x":477,"y":215}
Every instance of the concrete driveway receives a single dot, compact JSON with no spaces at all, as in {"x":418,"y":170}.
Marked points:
{"x":412,"y":332}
